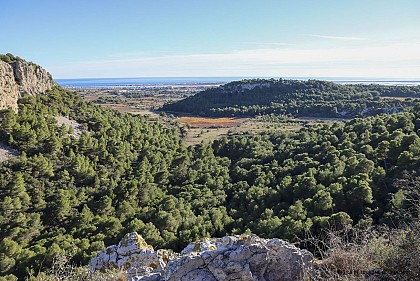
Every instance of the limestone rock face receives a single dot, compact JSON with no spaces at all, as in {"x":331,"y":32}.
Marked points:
{"x":244,"y":257}
{"x":132,"y":254}
{"x":241,"y":257}
{"x":9,"y":92}
{"x":31,"y":78}
{"x":19,"y":78}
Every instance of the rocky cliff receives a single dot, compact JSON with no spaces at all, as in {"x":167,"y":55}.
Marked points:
{"x":18,"y":78}
{"x":9,"y":92}
{"x":240,"y":257}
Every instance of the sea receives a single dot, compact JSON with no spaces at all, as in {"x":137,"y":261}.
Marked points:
{"x":208,"y":81}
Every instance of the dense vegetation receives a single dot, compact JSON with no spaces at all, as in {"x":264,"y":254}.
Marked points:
{"x":297,"y":98}
{"x":74,"y":195}
{"x":10,"y":58}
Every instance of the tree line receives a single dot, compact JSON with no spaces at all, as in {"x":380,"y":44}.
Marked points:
{"x":69,"y":194}
{"x":312,"y":98}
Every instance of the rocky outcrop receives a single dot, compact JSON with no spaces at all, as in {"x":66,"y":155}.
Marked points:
{"x":241,"y":257}
{"x":31,"y":78}
{"x":132,"y":254}
{"x":246,"y":86}
{"x":66,"y":121}
{"x":9,"y":92}
{"x":19,"y":78}
{"x":6,"y":152}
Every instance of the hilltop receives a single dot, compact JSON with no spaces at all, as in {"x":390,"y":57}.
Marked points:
{"x":19,"y":77}
{"x":312,"y":98}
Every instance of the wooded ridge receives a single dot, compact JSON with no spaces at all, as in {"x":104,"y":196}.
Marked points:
{"x":311,"y":98}
{"x":126,"y":173}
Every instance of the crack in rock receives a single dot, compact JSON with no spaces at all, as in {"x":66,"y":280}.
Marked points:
{"x":240,"y":257}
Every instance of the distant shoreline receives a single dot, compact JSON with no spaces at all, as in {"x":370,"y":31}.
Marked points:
{"x":207,"y":81}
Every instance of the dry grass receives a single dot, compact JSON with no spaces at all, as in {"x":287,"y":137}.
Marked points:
{"x":345,"y":256}
{"x":147,"y":100}
{"x":373,"y":254}
{"x":197,"y":135}
{"x":91,"y":97}
{"x":63,"y":270}
{"x":203,"y":122}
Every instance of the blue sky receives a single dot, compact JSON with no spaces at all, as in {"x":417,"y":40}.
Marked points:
{"x":275,"y":38}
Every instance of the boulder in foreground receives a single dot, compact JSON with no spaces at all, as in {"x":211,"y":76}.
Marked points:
{"x":240,"y":257}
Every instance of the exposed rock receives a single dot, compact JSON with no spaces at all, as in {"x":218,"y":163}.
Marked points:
{"x":7,"y":152}
{"x":241,"y":257}
{"x":31,"y":78}
{"x":77,"y":127}
{"x":19,"y":78}
{"x":246,"y":86}
{"x":132,"y":254}
{"x":9,"y":92}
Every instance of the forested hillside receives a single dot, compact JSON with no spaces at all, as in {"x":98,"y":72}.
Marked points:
{"x":310,"y":98}
{"x":125,"y":173}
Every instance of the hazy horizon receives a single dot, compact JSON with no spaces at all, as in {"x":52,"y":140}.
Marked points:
{"x":253,"y":77}
{"x":135,"y":82}
{"x":269,"y":38}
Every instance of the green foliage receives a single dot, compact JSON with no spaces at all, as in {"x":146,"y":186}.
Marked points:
{"x":9,"y":58}
{"x":297,"y":98}
{"x":74,"y":195}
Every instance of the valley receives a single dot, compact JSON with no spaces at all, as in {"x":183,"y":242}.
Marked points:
{"x":185,"y":106}
{"x":146,"y":101}
{"x":83,"y":174}
{"x":210,"y":140}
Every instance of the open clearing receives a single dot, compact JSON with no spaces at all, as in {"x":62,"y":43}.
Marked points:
{"x":195,"y":129}
{"x":77,"y":128}
{"x":208,"y":131}
{"x":6,"y":152}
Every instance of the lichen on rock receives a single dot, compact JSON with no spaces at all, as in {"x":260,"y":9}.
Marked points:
{"x":133,"y":255}
{"x":240,"y":257}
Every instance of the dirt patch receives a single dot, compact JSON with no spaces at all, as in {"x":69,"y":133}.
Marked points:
{"x":202,"y":122}
{"x":77,"y":128}
{"x":7,"y":153}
